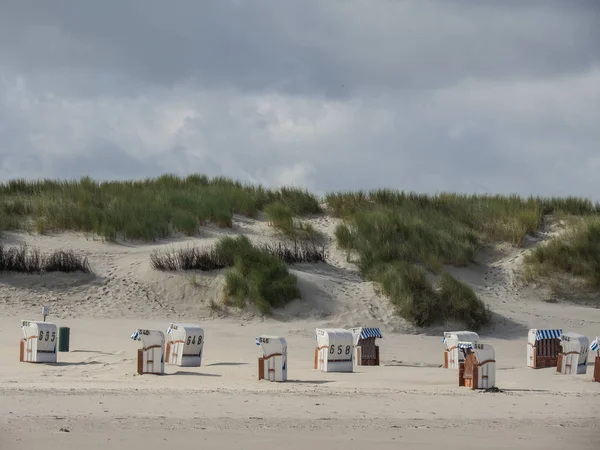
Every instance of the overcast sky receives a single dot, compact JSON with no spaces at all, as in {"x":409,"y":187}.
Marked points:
{"x":494,"y":96}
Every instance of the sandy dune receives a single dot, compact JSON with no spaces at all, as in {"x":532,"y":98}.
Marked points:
{"x":407,"y":402}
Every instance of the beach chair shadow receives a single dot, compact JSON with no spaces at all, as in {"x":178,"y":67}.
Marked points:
{"x":77,"y":363}
{"x":228,"y":364}
{"x":309,"y":381}
{"x":198,"y":374}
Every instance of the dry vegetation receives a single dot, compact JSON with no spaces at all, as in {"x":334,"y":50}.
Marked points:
{"x":30,"y":260}
{"x":207,"y":259}
{"x":400,"y":240}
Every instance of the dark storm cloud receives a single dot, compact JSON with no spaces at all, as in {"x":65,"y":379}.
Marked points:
{"x":303,"y":46}
{"x":423,"y":95}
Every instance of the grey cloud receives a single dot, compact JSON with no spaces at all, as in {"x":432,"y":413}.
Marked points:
{"x":103,"y":157}
{"x":457,"y":96}
{"x":303,"y":47}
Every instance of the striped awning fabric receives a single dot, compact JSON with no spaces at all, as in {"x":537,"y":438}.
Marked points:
{"x":370,"y":332}
{"x":547,"y":334}
{"x":595,"y":345}
{"x":135,"y":335}
{"x":465,"y":345}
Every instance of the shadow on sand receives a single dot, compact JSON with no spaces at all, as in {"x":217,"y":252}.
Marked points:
{"x":79,"y":363}
{"x":419,"y":366}
{"x":525,"y":390}
{"x":98,"y":352}
{"x":228,"y":364}
{"x":198,"y":374}
{"x":501,"y":327}
{"x":66,"y":282}
{"x":309,"y":381}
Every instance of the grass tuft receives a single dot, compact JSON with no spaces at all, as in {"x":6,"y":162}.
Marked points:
{"x":281,"y":217}
{"x":417,"y":300}
{"x":575,"y":253}
{"x":257,"y":274}
{"x":30,"y":260}
{"x":409,"y":291}
{"x":190,"y":258}
{"x":223,"y":255}
{"x":462,"y":303}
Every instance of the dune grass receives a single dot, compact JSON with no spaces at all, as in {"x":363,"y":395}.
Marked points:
{"x":281,"y":217}
{"x":576,"y":252}
{"x":461,"y":304}
{"x":399,"y":238}
{"x":494,"y":218}
{"x":144,"y":210}
{"x":423,"y":303}
{"x":403,"y":241}
{"x":214,"y":258}
{"x":24,"y":259}
{"x":256,"y":274}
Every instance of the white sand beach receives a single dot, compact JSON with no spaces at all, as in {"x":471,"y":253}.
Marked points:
{"x":409,"y":401}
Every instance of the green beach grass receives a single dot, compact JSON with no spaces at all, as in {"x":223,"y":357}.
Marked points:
{"x":144,"y":210}
{"x":290,"y":227}
{"x":576,"y":253}
{"x":397,"y":239}
{"x":256,"y":276}
{"x":402,"y":241}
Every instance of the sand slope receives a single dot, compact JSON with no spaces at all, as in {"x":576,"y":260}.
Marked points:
{"x":407,"y":402}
